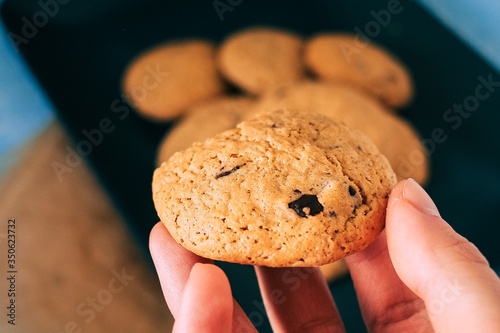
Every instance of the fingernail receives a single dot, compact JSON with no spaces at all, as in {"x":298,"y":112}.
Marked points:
{"x":418,"y":198}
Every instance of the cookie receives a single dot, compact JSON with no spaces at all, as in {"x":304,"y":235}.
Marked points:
{"x":285,"y":188}
{"x":163,"y":82}
{"x":203,"y":121}
{"x":394,"y":137}
{"x":343,"y":58}
{"x":258,"y":59}
{"x":334,"y":270}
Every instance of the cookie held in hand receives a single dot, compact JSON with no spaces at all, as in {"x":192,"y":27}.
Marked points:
{"x":284,"y":188}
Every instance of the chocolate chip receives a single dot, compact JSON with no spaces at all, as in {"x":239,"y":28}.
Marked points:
{"x":297,"y":191}
{"x":223,"y":174}
{"x":352,"y":191}
{"x":333,"y":214}
{"x":307,"y":200}
{"x":360,"y":148}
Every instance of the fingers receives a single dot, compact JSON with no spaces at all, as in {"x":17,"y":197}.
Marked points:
{"x":173,"y":264}
{"x":207,"y":302}
{"x":386,"y":303}
{"x":461,"y":292}
{"x":298,"y":300}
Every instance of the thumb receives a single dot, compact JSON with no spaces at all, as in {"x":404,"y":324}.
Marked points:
{"x":461,"y":292}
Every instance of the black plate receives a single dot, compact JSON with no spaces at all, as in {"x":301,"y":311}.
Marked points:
{"x":78,"y":51}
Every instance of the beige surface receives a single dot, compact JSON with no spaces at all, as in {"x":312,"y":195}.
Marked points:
{"x":70,"y":242}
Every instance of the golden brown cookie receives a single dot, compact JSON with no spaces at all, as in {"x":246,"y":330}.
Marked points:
{"x":258,"y":59}
{"x":394,"y":137}
{"x":284,"y":188}
{"x":344,"y":59}
{"x":203,"y":121}
{"x":164,"y":81}
{"x":334,"y":270}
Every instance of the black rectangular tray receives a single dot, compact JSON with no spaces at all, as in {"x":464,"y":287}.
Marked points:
{"x":79,"y":49}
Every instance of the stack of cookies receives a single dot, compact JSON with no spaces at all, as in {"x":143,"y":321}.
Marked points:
{"x":279,"y":85}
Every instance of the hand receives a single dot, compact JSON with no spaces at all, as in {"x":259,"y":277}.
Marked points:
{"x":418,"y":276}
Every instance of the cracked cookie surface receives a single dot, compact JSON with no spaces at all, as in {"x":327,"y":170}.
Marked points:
{"x":395,"y":138}
{"x":284,"y":188}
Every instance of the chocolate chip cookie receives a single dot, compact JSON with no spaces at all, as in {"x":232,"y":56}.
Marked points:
{"x":284,"y":188}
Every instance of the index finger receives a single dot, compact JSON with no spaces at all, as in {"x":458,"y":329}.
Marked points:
{"x":298,"y":300}
{"x":173,"y":264}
